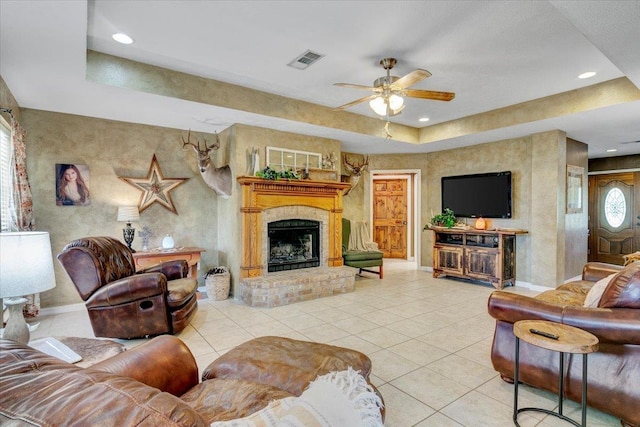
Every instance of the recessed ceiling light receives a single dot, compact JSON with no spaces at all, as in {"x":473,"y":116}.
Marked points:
{"x":122,"y":38}
{"x":423,"y":119}
{"x":587,"y":75}
{"x":612,"y":150}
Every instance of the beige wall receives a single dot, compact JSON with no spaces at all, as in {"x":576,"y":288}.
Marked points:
{"x":513,"y":155}
{"x":547,"y":228}
{"x":112,"y":149}
{"x":8,"y":101}
{"x":577,"y":224}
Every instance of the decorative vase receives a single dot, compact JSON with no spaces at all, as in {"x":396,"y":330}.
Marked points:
{"x":167,"y":242}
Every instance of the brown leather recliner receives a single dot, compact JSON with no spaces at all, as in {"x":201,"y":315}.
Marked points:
{"x":122,"y":303}
{"x":613,"y":380}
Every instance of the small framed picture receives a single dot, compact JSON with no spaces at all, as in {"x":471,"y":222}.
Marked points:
{"x":574,"y":189}
{"x":72,"y":185}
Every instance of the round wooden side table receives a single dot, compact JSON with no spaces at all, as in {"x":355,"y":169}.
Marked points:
{"x":555,"y":337}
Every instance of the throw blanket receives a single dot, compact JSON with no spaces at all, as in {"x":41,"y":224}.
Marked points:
{"x":337,"y":399}
{"x":359,"y":239}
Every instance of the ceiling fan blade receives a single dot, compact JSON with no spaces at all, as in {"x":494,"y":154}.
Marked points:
{"x":412,"y":78}
{"x":357,"y":101}
{"x":358,"y":86}
{"x":429,"y":94}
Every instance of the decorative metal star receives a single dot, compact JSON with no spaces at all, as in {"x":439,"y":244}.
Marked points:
{"x":155,"y":187}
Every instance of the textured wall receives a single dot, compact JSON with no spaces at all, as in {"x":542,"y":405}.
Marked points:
{"x":111,"y":149}
{"x":577,"y":224}
{"x":353,"y":203}
{"x":8,"y":101}
{"x":513,"y":155}
{"x":548,"y":208}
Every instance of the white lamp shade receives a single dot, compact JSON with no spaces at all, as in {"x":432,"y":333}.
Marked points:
{"x":128,"y":214}
{"x":395,"y":102}
{"x":378,"y":105}
{"x":26,"y":263}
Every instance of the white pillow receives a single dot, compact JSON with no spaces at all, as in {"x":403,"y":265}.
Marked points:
{"x":337,"y":399}
{"x":595,"y":293}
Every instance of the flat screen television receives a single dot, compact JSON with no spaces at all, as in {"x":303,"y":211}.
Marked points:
{"x":486,"y":195}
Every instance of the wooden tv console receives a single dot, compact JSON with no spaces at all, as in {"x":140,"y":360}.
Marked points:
{"x":488,"y":256}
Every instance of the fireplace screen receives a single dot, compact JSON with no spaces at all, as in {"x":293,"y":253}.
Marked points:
{"x":293,"y":244}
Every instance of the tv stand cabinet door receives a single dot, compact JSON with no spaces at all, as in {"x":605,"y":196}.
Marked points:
{"x":483,"y":264}
{"x":447,"y":259}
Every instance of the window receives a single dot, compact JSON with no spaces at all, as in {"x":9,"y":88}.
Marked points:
{"x":615,"y":207}
{"x":5,"y":177}
{"x":284,"y":160}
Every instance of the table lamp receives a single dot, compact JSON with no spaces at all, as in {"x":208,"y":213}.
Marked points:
{"x":128,"y":214}
{"x":27,"y":268}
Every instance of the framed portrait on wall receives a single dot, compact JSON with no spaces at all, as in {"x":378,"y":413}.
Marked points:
{"x":574,"y":189}
{"x":72,"y":185}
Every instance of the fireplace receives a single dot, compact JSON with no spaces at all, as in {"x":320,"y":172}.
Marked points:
{"x":270,"y":273}
{"x":293,"y":244}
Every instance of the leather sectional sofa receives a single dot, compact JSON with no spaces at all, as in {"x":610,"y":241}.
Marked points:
{"x":613,"y":371}
{"x":157,"y":384}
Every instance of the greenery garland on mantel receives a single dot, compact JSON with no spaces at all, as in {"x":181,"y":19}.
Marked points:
{"x":272,"y":174}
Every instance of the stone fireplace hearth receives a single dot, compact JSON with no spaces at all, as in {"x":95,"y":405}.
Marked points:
{"x":265,"y":202}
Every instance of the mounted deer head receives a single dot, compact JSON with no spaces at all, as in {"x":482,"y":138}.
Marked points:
{"x":219,"y":179}
{"x":356,"y":172}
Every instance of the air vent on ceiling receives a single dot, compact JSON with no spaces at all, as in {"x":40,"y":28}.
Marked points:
{"x":305,"y":60}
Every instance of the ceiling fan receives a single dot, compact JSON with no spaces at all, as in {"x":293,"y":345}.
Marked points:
{"x":389,"y":91}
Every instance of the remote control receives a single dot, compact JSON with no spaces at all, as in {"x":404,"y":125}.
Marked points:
{"x":544,"y":334}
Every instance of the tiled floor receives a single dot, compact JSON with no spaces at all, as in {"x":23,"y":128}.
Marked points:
{"x":429,"y":340}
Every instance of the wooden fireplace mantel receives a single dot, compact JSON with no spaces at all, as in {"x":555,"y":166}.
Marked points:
{"x":259,"y":194}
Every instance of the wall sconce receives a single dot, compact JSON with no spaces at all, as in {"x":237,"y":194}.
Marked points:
{"x":128,"y":214}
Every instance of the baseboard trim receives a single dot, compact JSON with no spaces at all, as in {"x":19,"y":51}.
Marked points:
{"x":61,"y":309}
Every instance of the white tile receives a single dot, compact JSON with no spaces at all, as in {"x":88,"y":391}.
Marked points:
{"x":418,"y":351}
{"x":401,"y":409}
{"x":463,"y":371}
{"x":383,"y":337}
{"x":476,"y":409}
{"x":388,"y":365}
{"x":431,"y":388}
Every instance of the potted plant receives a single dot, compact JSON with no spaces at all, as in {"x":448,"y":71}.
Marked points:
{"x":445,"y":219}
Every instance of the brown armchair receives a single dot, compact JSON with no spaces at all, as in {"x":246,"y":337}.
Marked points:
{"x":122,"y":303}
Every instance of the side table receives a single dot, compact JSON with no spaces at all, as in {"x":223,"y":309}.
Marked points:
{"x":156,"y":256}
{"x":82,"y":352}
{"x":555,"y":337}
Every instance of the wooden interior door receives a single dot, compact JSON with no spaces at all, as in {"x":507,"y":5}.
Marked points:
{"x":390,"y":216}
{"x":614,"y":216}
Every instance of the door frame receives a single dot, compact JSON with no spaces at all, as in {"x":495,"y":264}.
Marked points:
{"x":590,"y":202}
{"x":413,"y":178}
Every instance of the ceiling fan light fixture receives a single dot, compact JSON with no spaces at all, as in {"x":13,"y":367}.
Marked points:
{"x":395,"y":102}
{"x":379,"y":105}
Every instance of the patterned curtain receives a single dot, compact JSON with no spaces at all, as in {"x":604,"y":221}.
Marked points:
{"x":22,"y":210}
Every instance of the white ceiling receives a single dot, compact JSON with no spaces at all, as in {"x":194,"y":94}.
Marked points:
{"x":492,"y":54}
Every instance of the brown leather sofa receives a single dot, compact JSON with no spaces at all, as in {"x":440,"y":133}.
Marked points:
{"x":122,"y":303}
{"x":613,"y":371}
{"x":156,"y":383}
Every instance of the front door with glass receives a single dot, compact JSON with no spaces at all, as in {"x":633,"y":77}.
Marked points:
{"x":614,"y":216}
